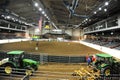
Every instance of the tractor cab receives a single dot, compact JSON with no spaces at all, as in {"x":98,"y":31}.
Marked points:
{"x":103,"y":59}
{"x":16,"y":57}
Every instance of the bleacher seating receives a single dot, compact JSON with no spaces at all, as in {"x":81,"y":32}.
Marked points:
{"x":118,"y":48}
{"x":5,"y":36}
{"x":113,"y":44}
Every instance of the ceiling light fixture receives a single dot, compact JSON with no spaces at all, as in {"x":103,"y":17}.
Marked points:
{"x":105,"y":10}
{"x":36,"y":4}
{"x":2,"y":15}
{"x":100,"y":9}
{"x":12,"y":18}
{"x":86,"y":19}
{"x":111,"y":33}
{"x":40,"y":9}
{"x":8,"y":17}
{"x":43,"y":12}
{"x":16,"y":19}
{"x":106,"y":3}
{"x":45,"y":15}
{"x":89,"y":19}
{"x":95,"y":12}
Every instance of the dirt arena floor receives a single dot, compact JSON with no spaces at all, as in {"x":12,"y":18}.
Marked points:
{"x":57,"y":71}
{"x":51,"y":48}
{"x":53,"y":71}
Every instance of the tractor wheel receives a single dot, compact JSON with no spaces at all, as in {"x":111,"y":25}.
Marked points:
{"x":106,"y":71}
{"x":8,"y":68}
{"x":29,"y":71}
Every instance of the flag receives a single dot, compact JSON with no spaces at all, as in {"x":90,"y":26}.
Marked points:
{"x":40,"y":23}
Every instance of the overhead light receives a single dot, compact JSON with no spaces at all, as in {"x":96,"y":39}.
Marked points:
{"x":105,"y":10}
{"x":43,"y":12}
{"x":89,"y":19}
{"x":95,"y":12}
{"x":106,"y":3}
{"x":111,"y":33}
{"x":86,"y":19}
{"x":8,"y":17}
{"x":36,"y":4}
{"x":100,"y":8}
{"x":12,"y":18}
{"x":19,"y":21}
{"x":48,"y":18}
{"x":2,"y":15}
{"x":16,"y":19}
{"x":45,"y":15}
{"x":40,"y":9}
{"x":5,"y":17}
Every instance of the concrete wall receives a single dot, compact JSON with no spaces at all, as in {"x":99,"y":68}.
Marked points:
{"x":77,"y":34}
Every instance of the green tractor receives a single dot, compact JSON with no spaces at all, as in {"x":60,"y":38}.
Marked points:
{"x":16,"y":61}
{"x":106,"y":64}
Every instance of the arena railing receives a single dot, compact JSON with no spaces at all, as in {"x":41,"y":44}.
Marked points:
{"x":45,"y":58}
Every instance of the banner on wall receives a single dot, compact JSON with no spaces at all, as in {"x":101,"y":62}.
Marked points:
{"x":40,"y":24}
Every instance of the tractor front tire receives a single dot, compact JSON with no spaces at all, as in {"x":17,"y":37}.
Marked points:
{"x":29,"y":71}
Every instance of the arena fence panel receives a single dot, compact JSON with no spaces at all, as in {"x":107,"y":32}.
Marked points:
{"x":79,"y":59}
{"x":44,"y":58}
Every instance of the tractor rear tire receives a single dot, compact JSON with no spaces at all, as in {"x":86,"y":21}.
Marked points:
{"x":106,"y":71}
{"x":8,"y":68}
